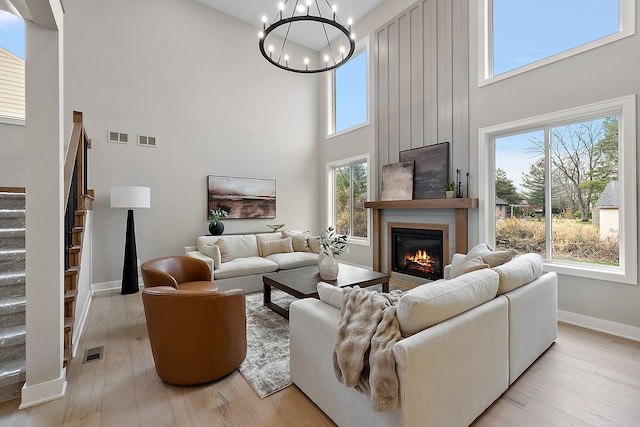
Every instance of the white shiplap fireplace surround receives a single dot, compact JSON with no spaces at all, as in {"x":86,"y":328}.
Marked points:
{"x":450,"y":212}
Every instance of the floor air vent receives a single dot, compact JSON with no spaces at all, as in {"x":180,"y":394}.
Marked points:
{"x":93,"y":354}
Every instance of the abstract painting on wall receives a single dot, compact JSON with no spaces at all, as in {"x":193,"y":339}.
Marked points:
{"x":242,"y":197}
{"x":431,"y":170}
{"x":397,"y":181}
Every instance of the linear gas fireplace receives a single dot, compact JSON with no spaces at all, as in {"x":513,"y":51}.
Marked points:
{"x":419,"y":250}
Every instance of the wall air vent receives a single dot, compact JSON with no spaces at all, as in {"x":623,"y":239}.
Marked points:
{"x":147,"y":141}
{"x":117,"y":137}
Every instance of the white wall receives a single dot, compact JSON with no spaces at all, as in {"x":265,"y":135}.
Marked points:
{"x":193,"y":78}
{"x":607,"y":72}
{"x":12,"y":165}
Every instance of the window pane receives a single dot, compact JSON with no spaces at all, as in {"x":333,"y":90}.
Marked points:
{"x":12,"y":70}
{"x":520,"y":190}
{"x":360,"y":214}
{"x":351,"y":93}
{"x":343,"y":199}
{"x":527,"y":31}
{"x":584,"y":173}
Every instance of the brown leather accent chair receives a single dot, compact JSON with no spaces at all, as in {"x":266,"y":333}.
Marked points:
{"x":180,"y":272}
{"x":197,"y":335}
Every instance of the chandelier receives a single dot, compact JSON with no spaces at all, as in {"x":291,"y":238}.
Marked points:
{"x":313,"y":20}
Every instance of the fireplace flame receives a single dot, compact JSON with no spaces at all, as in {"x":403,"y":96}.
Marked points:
{"x":420,"y":261}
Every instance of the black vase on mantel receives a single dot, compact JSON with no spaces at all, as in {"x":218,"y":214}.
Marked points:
{"x":216,"y":229}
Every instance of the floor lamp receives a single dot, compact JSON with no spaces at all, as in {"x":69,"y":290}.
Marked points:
{"x":130,"y":197}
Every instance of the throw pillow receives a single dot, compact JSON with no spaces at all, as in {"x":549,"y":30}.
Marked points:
{"x":265,"y":237}
{"x":299,"y":240}
{"x":497,"y":258}
{"x":280,"y":246}
{"x":476,"y":263}
{"x":213,"y":252}
{"x":226,"y":252}
{"x":314,"y":244}
{"x":489,"y":256}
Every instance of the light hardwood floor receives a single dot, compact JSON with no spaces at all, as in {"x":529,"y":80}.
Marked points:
{"x":584,"y":379}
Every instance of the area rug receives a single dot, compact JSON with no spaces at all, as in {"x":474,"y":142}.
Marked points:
{"x":266,"y":367}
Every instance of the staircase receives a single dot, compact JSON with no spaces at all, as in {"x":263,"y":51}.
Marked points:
{"x":12,"y":295}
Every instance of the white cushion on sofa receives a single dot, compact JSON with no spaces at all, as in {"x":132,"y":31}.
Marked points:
{"x":244,"y":267}
{"x":519,"y":271}
{"x":331,"y":294}
{"x":212,"y":251}
{"x":432,"y":303}
{"x":286,"y":261}
{"x":241,"y":246}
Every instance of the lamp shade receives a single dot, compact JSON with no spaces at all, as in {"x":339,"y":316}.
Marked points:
{"x":130,"y":197}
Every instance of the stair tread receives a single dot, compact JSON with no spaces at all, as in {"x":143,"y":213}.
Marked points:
{"x":13,"y":305}
{"x":12,"y":213}
{"x":12,"y":371}
{"x":12,"y":335}
{"x":13,"y":278}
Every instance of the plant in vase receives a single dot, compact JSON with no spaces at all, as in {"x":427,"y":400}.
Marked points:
{"x":449,"y":190}
{"x":332,"y":245}
{"x":216,"y":227}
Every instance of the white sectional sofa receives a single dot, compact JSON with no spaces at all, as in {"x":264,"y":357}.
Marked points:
{"x":239,"y":261}
{"x":465,"y":340}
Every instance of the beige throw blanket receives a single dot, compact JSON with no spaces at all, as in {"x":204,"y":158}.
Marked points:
{"x":363,"y":348}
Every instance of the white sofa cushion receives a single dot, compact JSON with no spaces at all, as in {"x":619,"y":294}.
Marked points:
{"x":432,"y":303}
{"x":244,"y":267}
{"x":286,"y":261}
{"x":493,"y":258}
{"x":267,"y":237}
{"x":519,"y":271}
{"x":241,"y":246}
{"x":330,"y":294}
{"x":212,"y":251}
{"x":280,"y":246}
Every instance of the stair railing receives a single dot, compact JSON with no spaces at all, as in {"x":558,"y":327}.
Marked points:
{"x":75,"y":180}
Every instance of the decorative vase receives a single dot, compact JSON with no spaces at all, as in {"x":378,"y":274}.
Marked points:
{"x":216,"y":229}
{"x":449,"y":194}
{"x":329,"y":268}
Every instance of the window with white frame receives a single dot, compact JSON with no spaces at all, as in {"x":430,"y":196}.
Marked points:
{"x":348,"y":93}
{"x":348,"y":190}
{"x":517,"y":36}
{"x":564,"y":186}
{"x":12,"y":69}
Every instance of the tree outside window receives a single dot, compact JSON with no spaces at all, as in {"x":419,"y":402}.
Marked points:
{"x":351,"y":192}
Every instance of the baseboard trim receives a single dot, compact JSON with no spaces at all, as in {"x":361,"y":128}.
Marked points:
{"x":44,"y":392}
{"x":606,"y":326}
{"x":110,"y":286}
{"x":79,"y":327}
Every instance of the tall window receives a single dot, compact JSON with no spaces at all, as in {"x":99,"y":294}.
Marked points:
{"x":12,"y":54}
{"x":349,"y":190}
{"x":521,"y":35}
{"x":568,"y":190}
{"x":348,"y":94}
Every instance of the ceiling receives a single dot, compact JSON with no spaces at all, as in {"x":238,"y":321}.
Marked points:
{"x":251,"y":11}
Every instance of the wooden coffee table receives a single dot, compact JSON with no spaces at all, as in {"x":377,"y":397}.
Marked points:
{"x":303,"y":282}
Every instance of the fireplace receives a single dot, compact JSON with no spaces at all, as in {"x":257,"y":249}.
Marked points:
{"x":419,"y":250}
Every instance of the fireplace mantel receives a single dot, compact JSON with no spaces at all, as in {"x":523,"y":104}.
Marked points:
{"x":461,"y":206}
